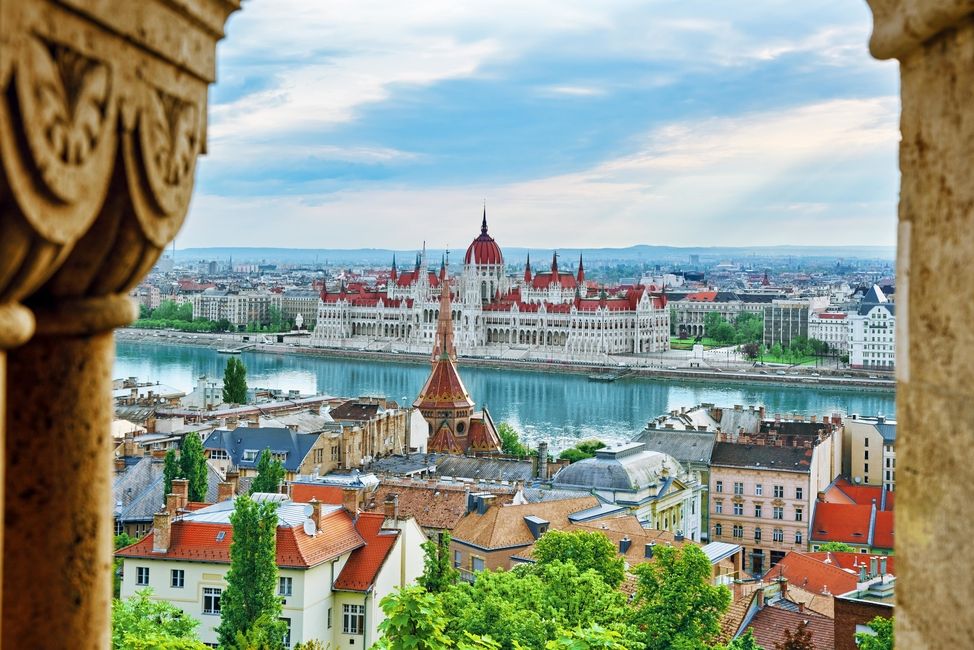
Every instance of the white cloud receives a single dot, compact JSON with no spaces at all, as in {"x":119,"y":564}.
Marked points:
{"x":573,"y":91}
{"x":716,"y":181}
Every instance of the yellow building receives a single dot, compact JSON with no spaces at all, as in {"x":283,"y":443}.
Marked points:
{"x":869,"y":451}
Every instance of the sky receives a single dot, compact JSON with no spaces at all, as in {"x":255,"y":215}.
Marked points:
{"x":353,"y":124}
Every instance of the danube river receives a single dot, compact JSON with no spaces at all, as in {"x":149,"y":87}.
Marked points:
{"x":560,"y":408}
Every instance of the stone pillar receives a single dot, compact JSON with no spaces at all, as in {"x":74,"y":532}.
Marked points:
{"x":102,"y":118}
{"x":934,"y":42}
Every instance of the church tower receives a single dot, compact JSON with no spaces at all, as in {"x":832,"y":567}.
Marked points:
{"x":454,"y":427}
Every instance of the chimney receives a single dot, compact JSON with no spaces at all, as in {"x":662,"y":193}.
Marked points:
{"x":813,"y":418}
{"x":624,"y":544}
{"x":172,"y":504}
{"x":224,"y":491}
{"x":161,"y":532}
{"x":391,"y":506}
{"x":119,"y":464}
{"x":128,"y":444}
{"x":679,"y":536}
{"x":158,"y":453}
{"x":760,"y":598}
{"x":483,"y":503}
{"x":543,"y":460}
{"x":872,"y":567}
{"x":315,"y":512}
{"x":350,"y":499}
{"x":862,"y":573}
{"x":180,"y":487}
{"x":233,"y":477}
{"x":882,"y":565}
{"x":761,"y":413}
{"x":783,"y":586}
{"x":801,"y":608}
{"x":648,"y":552}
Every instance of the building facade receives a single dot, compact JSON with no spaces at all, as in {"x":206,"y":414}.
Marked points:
{"x":831,"y":328}
{"x":763,"y":487}
{"x":786,"y":319}
{"x":872,"y":333}
{"x":869,"y":451}
{"x":240,"y":308}
{"x":552,"y":310}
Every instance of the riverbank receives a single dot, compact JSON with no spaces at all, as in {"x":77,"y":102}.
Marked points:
{"x":652,"y":370}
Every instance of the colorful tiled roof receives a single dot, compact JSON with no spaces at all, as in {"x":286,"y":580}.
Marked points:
{"x":363,"y":566}
{"x":769,"y":624}
{"x":504,"y":526}
{"x":305,"y":492}
{"x":432,"y":506}
{"x":813,"y":574}
{"x":196,"y":541}
{"x":444,"y":389}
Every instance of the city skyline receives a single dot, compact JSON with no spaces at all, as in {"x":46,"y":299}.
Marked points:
{"x":754,"y":126}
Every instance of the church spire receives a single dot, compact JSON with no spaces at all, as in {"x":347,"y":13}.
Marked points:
{"x":483,"y":225}
{"x":443,"y":347}
{"x":395,"y":273}
{"x":581,"y":270}
{"x":527,"y":269}
{"x":554,"y":265}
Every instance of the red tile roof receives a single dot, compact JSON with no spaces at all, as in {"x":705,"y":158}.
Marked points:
{"x":842,"y":491}
{"x":305,"y":492}
{"x":197,"y":542}
{"x":850,"y":561}
{"x":770,"y":622}
{"x":841,"y":522}
{"x":363,"y":566}
{"x":444,"y":389}
{"x":812,"y":573}
{"x":883,"y":531}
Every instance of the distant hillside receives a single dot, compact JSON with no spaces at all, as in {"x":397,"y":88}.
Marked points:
{"x":541,"y":256}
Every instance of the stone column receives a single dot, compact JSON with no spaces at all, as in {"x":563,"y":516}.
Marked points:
{"x":102,"y":118}
{"x":934,"y":42}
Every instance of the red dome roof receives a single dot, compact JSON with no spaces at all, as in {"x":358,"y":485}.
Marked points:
{"x":484,"y":250}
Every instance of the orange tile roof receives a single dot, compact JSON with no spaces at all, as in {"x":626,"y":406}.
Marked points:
{"x":850,"y":561}
{"x":841,"y":522}
{"x":196,"y":541}
{"x":813,"y":574}
{"x":443,"y":389}
{"x":504,"y":526}
{"x":305,"y":492}
{"x":862,"y":495}
{"x":883,"y":530}
{"x":363,"y":566}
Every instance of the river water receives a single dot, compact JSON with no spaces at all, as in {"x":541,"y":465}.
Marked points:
{"x":560,"y":408}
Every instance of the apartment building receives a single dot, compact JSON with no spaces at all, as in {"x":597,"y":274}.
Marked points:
{"x":872,"y":332}
{"x":869,"y":451}
{"x":763,"y":485}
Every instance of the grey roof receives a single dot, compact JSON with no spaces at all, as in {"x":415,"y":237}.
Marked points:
{"x":294,"y":446}
{"x":490,"y":469}
{"x":289,"y":513}
{"x":135,"y":413}
{"x":596,"y":512}
{"x":875,"y":298}
{"x":732,"y":454}
{"x":629,"y":467}
{"x":685,"y":446}
{"x":541,"y":495}
{"x":404,"y":465}
{"x":887,"y":430}
{"x":137,"y":493}
{"x":717,"y":551}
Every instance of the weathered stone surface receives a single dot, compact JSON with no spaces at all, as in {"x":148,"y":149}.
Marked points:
{"x":102,"y":118}
{"x":935,"y":402}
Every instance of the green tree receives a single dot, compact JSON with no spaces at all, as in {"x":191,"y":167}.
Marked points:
{"x":141,"y":622}
{"x":744,"y":642}
{"x":777,"y":351}
{"x":836,"y":547}
{"x":881,"y":637}
{"x":270,"y":473}
{"x":265,"y":634}
{"x":675,"y":604}
{"x":585,"y":549}
{"x":592,"y":638}
{"x":511,"y":441}
{"x":235,"y":382}
{"x":250,"y":599}
{"x":581,"y":451}
{"x":170,"y":469}
{"x":724,"y":333}
{"x":438,"y":571}
{"x":121,"y":541}
{"x":192,"y":466}
{"x":184,"y":312}
{"x":414,"y":621}
{"x":165,"y":311}
{"x":276,"y":318}
{"x":800,"y":639}
{"x":311,"y":644}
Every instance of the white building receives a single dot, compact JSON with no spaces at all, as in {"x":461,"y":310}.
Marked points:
{"x":334,"y":566}
{"x":872,"y":333}
{"x":832,"y":328}
{"x":551,"y":310}
{"x":240,"y":309}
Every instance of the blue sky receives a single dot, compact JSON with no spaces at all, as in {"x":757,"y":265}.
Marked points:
{"x":346,"y":124}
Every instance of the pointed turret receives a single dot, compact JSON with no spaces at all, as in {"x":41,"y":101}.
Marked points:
{"x":395,"y":274}
{"x":554,"y":266}
{"x":527,"y":270}
{"x":443,"y":347}
{"x":581,"y":270}
{"x":483,"y":224}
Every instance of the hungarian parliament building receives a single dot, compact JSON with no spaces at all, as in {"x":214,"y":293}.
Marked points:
{"x":546,"y":311}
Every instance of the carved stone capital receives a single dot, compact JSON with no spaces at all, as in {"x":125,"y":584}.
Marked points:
{"x":102,"y":118}
{"x":16,"y":325}
{"x":900,"y":26}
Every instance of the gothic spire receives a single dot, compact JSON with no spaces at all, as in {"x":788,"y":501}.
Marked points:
{"x":483,"y":225}
{"x":443,"y":347}
{"x":581,"y":269}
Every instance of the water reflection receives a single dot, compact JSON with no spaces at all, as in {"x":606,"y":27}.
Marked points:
{"x":560,"y":408}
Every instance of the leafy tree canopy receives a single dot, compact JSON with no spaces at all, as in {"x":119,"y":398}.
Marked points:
{"x":141,"y":622}
{"x":235,"y":382}
{"x":880,"y":639}
{"x":800,"y":639}
{"x":676,"y":604}
{"x":581,"y":451}
{"x":270,"y":473}
{"x":250,"y":604}
{"x":837,"y":547}
{"x":192,"y":466}
{"x":511,"y":441}
{"x":585,"y":549}
{"x":438,"y":571}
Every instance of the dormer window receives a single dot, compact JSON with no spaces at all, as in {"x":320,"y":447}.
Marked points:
{"x":249,"y":455}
